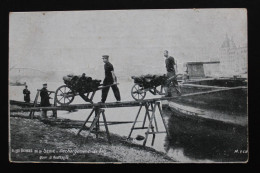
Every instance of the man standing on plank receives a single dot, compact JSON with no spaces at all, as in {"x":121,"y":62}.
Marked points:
{"x":170,"y":67}
{"x":110,"y":78}
{"x":45,"y":102}
{"x":26,"y":94}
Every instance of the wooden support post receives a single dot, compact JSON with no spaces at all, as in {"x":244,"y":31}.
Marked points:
{"x":31,"y":115}
{"x":95,"y":123}
{"x":105,"y":123}
{"x":133,"y":127}
{"x":149,"y":118}
{"x":147,"y":115}
{"x":152,"y":106}
{"x":55,"y":113}
{"x":164,"y":123}
{"x":83,"y":126}
{"x":149,"y":107}
{"x":87,"y":94}
{"x":150,"y":125}
{"x":146,"y":112}
{"x":155,"y":122}
{"x":92,"y":95}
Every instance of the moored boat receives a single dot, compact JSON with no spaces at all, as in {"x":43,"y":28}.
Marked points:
{"x":17,"y":83}
{"x":210,"y":120}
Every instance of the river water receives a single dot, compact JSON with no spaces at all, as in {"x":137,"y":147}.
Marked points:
{"x":115,"y":114}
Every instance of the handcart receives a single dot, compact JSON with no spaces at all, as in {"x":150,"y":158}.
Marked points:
{"x":154,"y":84}
{"x":82,"y":86}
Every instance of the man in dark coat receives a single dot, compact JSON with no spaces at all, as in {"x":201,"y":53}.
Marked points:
{"x":110,"y":78}
{"x":26,"y":94}
{"x":44,"y":99}
{"x":170,"y":67}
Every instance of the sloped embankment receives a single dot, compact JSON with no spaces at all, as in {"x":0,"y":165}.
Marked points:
{"x":34,"y":141}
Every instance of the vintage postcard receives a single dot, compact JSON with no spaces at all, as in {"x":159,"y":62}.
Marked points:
{"x":128,"y":86}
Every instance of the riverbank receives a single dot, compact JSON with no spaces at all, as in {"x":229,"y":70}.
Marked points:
{"x":33,"y":141}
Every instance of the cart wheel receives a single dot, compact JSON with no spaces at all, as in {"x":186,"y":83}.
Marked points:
{"x":138,"y":92}
{"x":64,"y":95}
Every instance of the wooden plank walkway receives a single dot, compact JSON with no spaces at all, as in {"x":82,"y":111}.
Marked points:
{"x":91,"y":106}
{"x":20,"y":103}
{"x":117,"y":104}
{"x":150,"y":106}
{"x":203,"y":86}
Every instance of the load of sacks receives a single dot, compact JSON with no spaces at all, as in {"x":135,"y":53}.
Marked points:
{"x":82,"y":83}
{"x":149,"y":80}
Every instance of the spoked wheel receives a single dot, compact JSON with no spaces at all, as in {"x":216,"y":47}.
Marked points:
{"x":138,"y":92}
{"x":64,"y":95}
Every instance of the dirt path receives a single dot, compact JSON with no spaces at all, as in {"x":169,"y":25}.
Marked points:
{"x":34,"y":141}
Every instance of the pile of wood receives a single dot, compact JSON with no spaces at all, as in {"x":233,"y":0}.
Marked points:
{"x":149,"y":81}
{"x":82,"y":84}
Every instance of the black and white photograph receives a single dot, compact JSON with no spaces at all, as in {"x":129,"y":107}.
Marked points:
{"x":128,"y":86}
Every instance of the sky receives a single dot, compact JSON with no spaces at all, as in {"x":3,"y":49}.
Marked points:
{"x":76,"y":40}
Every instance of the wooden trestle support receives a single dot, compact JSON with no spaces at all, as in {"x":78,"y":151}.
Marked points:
{"x":150,"y":107}
{"x":95,"y":123}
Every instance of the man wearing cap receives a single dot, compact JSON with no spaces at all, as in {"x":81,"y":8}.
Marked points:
{"x":44,"y":99}
{"x":170,"y":67}
{"x":26,"y":94}
{"x":110,"y":78}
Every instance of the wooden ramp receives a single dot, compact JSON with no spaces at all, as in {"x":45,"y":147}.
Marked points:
{"x":97,"y":110}
{"x":117,"y":104}
{"x":23,"y":104}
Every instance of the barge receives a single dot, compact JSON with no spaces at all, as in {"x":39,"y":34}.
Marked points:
{"x":213,"y":123}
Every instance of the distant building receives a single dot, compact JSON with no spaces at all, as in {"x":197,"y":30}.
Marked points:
{"x":233,"y":59}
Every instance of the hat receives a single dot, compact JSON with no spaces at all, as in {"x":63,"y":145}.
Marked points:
{"x":45,"y":84}
{"x":105,"y":56}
